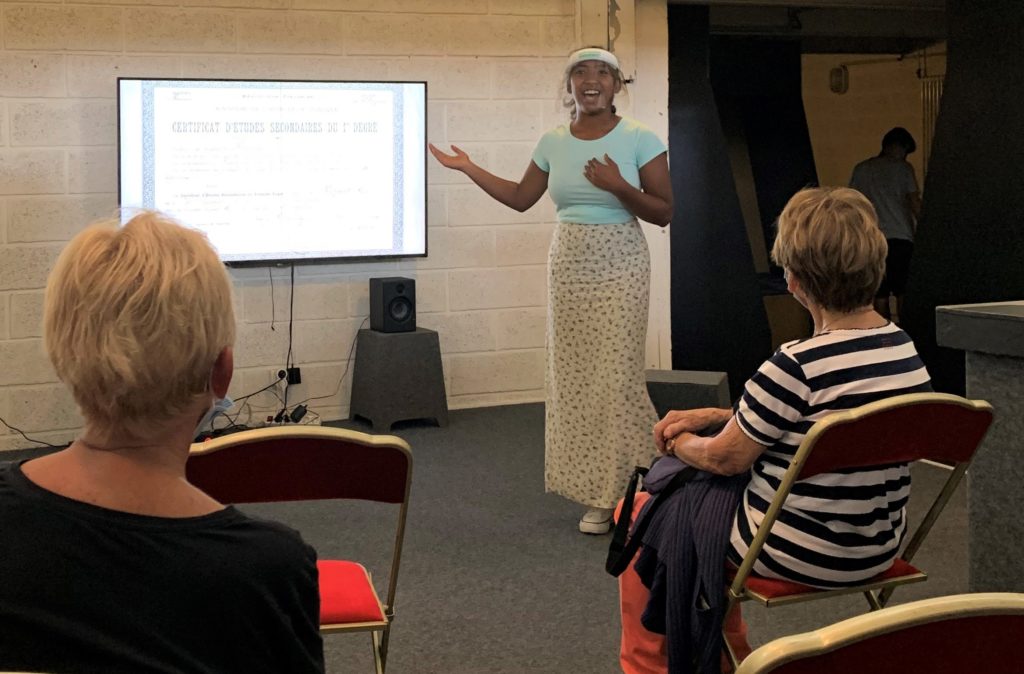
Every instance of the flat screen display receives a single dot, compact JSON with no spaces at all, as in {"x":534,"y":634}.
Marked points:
{"x":280,"y":171}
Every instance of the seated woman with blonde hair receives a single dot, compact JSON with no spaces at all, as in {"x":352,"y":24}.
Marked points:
{"x":839,"y":528}
{"x":112,"y":561}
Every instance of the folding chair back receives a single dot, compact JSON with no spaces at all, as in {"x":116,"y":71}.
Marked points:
{"x":901,"y":429}
{"x":960,"y":633}
{"x":935,"y":426}
{"x":306,"y":463}
{"x":302,"y":464}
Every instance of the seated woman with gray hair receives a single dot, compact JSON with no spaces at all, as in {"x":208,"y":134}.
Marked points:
{"x":839,"y":528}
{"x":112,"y":561}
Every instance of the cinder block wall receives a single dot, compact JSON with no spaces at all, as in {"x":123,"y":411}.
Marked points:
{"x":493,"y":70}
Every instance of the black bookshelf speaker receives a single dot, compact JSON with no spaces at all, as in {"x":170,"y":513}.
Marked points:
{"x":393,"y":304}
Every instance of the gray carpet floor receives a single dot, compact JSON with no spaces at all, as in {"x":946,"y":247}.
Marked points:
{"x":496,"y":578}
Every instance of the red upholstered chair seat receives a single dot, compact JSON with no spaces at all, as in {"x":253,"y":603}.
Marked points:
{"x":773,"y":588}
{"x":347,"y":594}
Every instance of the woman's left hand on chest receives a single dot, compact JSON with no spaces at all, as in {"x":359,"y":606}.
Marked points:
{"x":605,"y":176}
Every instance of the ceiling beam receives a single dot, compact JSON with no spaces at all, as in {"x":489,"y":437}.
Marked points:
{"x":921,"y":5}
{"x":823,"y":23}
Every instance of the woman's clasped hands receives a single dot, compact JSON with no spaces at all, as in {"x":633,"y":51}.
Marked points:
{"x":679,"y":422}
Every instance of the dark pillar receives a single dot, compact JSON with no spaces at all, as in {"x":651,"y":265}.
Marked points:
{"x":718,"y":317}
{"x":761,"y":80}
{"x":970,"y":242}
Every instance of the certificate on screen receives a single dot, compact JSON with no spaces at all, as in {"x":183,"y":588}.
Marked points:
{"x":280,"y":170}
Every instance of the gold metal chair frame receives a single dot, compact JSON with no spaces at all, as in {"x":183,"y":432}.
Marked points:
{"x":876,"y":591}
{"x":784,"y":650}
{"x":379,"y":630}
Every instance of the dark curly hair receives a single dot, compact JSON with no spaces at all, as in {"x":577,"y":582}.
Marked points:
{"x":899,"y":136}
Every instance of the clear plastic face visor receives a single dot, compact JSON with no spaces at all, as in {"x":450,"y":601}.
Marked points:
{"x":592,"y":54}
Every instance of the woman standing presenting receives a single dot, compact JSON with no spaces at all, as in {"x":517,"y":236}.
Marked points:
{"x":603,"y":172}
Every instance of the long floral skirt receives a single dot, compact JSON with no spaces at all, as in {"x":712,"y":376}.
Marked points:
{"x":598,"y":416}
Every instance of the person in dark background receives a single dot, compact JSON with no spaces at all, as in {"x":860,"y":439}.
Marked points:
{"x":888,"y":181}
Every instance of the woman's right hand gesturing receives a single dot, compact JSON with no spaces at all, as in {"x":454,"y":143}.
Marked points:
{"x":518,"y":195}
{"x":459,"y":161}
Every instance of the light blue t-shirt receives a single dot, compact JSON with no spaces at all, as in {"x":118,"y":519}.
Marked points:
{"x":562,"y":156}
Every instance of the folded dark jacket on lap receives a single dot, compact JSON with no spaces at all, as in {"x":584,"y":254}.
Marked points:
{"x":682,"y":563}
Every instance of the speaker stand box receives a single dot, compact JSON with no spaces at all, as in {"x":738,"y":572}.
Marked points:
{"x":686,"y":389}
{"x":398,"y":376}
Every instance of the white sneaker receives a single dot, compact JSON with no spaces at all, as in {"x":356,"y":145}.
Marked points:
{"x":596,"y":521}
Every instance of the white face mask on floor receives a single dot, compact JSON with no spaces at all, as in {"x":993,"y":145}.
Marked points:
{"x":219,"y":406}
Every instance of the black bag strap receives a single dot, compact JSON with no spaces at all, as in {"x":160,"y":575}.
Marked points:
{"x":617,"y":548}
{"x":621,"y":551}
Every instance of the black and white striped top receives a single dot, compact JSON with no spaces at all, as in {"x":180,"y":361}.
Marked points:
{"x":835,"y":528}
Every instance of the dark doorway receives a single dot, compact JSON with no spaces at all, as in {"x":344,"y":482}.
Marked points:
{"x":740,"y":148}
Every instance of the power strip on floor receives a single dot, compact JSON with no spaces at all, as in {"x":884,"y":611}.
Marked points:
{"x":315,"y":421}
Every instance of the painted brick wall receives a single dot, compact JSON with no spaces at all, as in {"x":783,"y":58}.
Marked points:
{"x":493,"y":71}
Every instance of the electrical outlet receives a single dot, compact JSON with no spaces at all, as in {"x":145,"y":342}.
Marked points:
{"x":294,"y":376}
